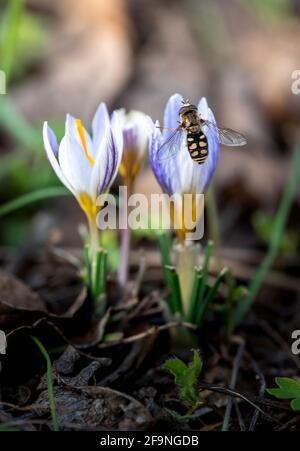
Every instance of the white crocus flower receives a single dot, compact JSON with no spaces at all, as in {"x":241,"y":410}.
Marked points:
{"x":136,"y":128}
{"x":86,"y":165}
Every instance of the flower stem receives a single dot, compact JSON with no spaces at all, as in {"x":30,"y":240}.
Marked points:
{"x":94,"y":238}
{"x":125,"y":239}
{"x":186,"y":257}
{"x":174,"y":285}
{"x":97,"y":271}
{"x":124,"y":257}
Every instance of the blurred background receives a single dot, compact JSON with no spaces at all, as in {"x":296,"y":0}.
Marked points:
{"x":64,"y":56}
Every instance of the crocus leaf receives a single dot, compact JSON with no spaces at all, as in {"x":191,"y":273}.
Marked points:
{"x":182,"y":418}
{"x":186,"y":377}
{"x":193,"y":371}
{"x":295,"y":404}
{"x":279,"y":393}
{"x":189,"y":394}
{"x":289,"y":386}
{"x":288,"y":389}
{"x":178,"y":368}
{"x":197,"y":363}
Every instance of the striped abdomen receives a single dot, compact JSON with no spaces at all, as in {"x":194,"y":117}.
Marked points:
{"x":197,"y":146}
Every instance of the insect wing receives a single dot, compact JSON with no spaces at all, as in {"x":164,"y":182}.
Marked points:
{"x":171,"y":145}
{"x":226,"y":136}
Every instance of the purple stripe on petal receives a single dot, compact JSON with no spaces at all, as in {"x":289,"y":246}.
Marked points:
{"x":213,"y":145}
{"x":171,"y":116}
{"x":111,"y":162}
{"x":100,"y":124}
{"x":52,"y":141}
{"x":130,"y":138}
{"x":158,"y":168}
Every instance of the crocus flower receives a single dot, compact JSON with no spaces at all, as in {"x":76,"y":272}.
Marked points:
{"x":136,"y":129}
{"x":179,"y":174}
{"x":86,"y":165}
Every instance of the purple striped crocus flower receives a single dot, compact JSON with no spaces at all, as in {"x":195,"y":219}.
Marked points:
{"x":86,"y":165}
{"x":136,"y":128}
{"x":179,"y":174}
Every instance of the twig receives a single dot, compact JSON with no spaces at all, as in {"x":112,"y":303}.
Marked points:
{"x":16,"y":407}
{"x":229,"y":392}
{"x":236,"y":367}
{"x":146,"y":333}
{"x":261,"y":391}
{"x":103,"y":360}
{"x":239,"y":415}
{"x":289,"y":423}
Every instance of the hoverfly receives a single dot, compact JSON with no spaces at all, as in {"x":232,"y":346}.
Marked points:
{"x":194,"y":125}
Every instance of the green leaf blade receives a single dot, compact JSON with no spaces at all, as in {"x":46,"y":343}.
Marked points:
{"x":295,"y":404}
{"x":178,"y":368}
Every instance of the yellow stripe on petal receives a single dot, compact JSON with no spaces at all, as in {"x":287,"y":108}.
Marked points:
{"x":88,"y":205}
{"x":130,"y":164}
{"x":83,"y":140}
{"x":185,"y":214}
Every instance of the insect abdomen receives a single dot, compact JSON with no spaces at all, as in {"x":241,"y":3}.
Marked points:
{"x":197,"y":146}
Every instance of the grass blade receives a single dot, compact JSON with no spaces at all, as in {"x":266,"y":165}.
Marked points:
{"x":164,"y":246}
{"x":174,"y":286}
{"x":209,"y":297}
{"x":99,"y":279}
{"x":49,"y":382}
{"x":277,"y":233}
{"x":208,"y":253}
{"x":10,"y":34}
{"x":8,"y":428}
{"x":31,"y":198}
{"x":194,"y":301}
{"x":17,"y":126}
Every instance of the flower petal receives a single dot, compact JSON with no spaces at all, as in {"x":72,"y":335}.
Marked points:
{"x":157,"y":166}
{"x":171,"y":116}
{"x":174,"y":174}
{"x":180,"y":174}
{"x":136,"y":132}
{"x":100,"y":125}
{"x":213,"y":144}
{"x":107,"y":162}
{"x":73,"y":161}
{"x":116,"y":127}
{"x":80,"y":135}
{"x":52,"y":150}
{"x":203,"y":108}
